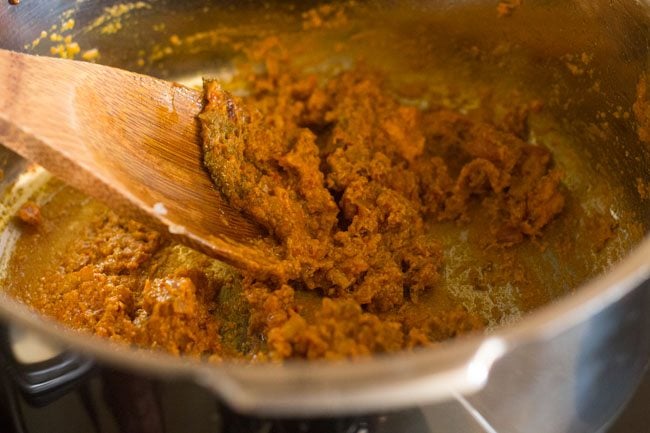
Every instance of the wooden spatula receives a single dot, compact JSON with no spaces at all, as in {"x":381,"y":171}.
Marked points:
{"x":129,"y":140}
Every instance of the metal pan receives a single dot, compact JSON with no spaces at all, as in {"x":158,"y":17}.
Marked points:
{"x":580,"y":356}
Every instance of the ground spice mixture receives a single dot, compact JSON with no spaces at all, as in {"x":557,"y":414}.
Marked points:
{"x":349,"y":180}
{"x":346,"y":179}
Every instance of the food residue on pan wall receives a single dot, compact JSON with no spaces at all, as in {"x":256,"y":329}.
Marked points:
{"x":505,"y":8}
{"x":65,"y":48}
{"x":110,"y":22}
{"x":641,"y":110}
{"x":91,"y":55}
{"x":579,"y":64}
{"x":326,"y":16}
{"x":62,"y":43}
{"x":61,"y":40}
{"x":643,"y":189}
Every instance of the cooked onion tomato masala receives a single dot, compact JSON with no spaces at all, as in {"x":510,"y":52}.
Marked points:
{"x":352,"y":182}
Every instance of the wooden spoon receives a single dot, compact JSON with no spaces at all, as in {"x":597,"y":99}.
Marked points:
{"x":129,"y":140}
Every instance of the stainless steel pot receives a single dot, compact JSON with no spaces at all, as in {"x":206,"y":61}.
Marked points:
{"x":567,"y":367}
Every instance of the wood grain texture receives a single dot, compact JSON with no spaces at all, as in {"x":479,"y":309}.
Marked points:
{"x":131,"y":141}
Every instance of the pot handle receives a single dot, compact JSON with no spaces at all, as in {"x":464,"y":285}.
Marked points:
{"x":360,"y":388}
{"x":44,"y":379}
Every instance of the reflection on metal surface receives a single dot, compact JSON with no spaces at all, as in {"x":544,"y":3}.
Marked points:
{"x":479,"y":367}
{"x":475,"y":414}
{"x":29,"y":347}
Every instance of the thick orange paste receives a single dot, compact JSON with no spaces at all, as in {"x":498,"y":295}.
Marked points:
{"x":349,"y":180}
{"x":346,"y":179}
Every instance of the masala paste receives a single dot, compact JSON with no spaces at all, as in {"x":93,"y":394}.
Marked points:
{"x":350,"y":181}
{"x":347,"y":179}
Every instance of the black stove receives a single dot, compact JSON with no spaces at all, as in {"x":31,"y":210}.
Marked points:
{"x":108,"y":401}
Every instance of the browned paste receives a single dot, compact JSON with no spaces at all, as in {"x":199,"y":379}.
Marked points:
{"x":345,"y":178}
{"x":349,"y":181}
